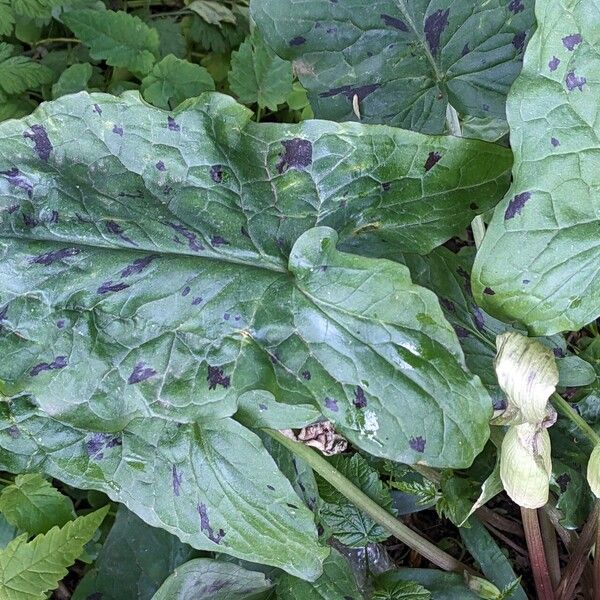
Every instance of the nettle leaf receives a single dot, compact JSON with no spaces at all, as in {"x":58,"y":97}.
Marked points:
{"x":134,"y":561}
{"x":121,"y":39}
{"x":173,"y":80}
{"x":36,"y":8}
{"x":336,"y":583}
{"x":344,"y":520}
{"x":20,"y":73}
{"x":171,"y":37}
{"x":212,"y":12}
{"x":442,"y":585}
{"x":33,"y":505}
{"x":28,"y":570}
{"x":194,"y":275}
{"x":258,"y":75}
{"x":208,"y":579}
{"x":404,"y":61}
{"x":73,"y":79}
{"x":212,"y":485}
{"x":7,"y":19}
{"x":539,"y":260}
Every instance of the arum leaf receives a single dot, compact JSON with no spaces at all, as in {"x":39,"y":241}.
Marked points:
{"x":134,"y":561}
{"x":184,"y":275}
{"x":34,"y":506}
{"x":404,"y":62}
{"x":538,"y":262}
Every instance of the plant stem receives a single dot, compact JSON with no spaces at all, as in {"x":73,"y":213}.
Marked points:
{"x":597,"y":560}
{"x":57,"y":40}
{"x":565,"y":409}
{"x":537,"y":556}
{"x":579,"y":557}
{"x":550,"y":548}
{"x":406,"y":535}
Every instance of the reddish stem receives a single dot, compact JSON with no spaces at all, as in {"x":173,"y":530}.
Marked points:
{"x":537,"y":556}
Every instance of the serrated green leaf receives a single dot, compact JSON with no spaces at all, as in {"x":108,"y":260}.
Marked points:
{"x":343,"y":519}
{"x":21,"y":73}
{"x":214,"y":13}
{"x":121,"y":39}
{"x":173,"y":80}
{"x":34,"y":506}
{"x":219,"y":38}
{"x":401,"y":590}
{"x":233,"y":273}
{"x":443,"y":586}
{"x":15,"y":107}
{"x":7,"y":18}
{"x":134,"y":561}
{"x":171,"y":37}
{"x":404,"y":60}
{"x":35,"y":8}
{"x":258,"y":75}
{"x":208,"y":579}
{"x":336,"y":583}
{"x":73,"y":79}
{"x":28,"y":570}
{"x":538,"y":262}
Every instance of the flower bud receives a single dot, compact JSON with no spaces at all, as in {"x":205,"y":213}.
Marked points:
{"x":527,"y":373}
{"x":593,"y":471}
{"x":525,"y":464}
{"x":483,"y":588}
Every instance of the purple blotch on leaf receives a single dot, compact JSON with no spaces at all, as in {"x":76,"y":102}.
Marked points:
{"x":13,"y":208}
{"x":572,"y":81}
{"x":118,"y":130}
{"x":447,"y":304}
{"x":558,"y":352}
{"x":488,"y":291}
{"x":263,"y":407}
{"x":386,"y":186}
{"x":227,"y":316}
{"x":177,"y":478}
{"x":216,"y":173}
{"x":297,"y":41}
{"x":478,"y":319}
{"x":217,"y":240}
{"x":518,"y":40}
{"x":205,"y":527}
{"x":417,"y":443}
{"x":172,"y":124}
{"x":109,"y":286}
{"x":217,"y":377}
{"x":331,"y":404}
{"x":515,"y":206}
{"x":16,"y":179}
{"x":97,"y":109}
{"x":116,"y":229}
{"x":360,"y":400}
{"x":197,"y":300}
{"x":306,"y":375}
{"x":555,"y":142}
{"x":553,"y":63}
{"x":60,"y":362}
{"x":432,"y":160}
{"x":140,"y":373}
{"x":516,"y":6}
{"x":563,"y":481}
{"x":244,"y":231}
{"x":99,"y":442}
{"x":467,"y":278}
{"x":186,"y":290}
{"x":48,"y":258}
{"x":297,"y":155}
{"x":435,"y":24}
{"x":14,"y":432}
{"x":350,"y":91}
{"x":571,"y":41}
{"x":461,"y":332}
{"x":3,"y":313}
{"x":190,"y":236}
{"x":60,"y":323}
{"x":53,"y":217}
{"x":41,"y":142}
{"x":394,"y":22}
{"x":465,"y":50}
{"x":271,"y":487}
{"x":138,"y":265}
{"x":160,"y":165}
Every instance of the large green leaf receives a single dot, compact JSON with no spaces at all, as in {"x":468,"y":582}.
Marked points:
{"x":539,"y":262}
{"x":134,"y":561}
{"x":405,"y":61}
{"x":212,"y":485}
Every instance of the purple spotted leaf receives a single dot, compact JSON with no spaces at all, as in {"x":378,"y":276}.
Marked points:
{"x":540,"y":254}
{"x":403,"y":61}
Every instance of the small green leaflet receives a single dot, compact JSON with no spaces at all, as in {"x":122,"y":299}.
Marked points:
{"x":208,"y":579}
{"x":28,"y":570}
{"x":258,"y":75}
{"x":134,"y":561}
{"x":401,"y":590}
{"x":36,"y":8}
{"x":7,"y":18}
{"x":173,"y":80}
{"x":73,"y":79}
{"x":121,"y":39}
{"x":336,"y":583}
{"x":539,"y":261}
{"x":171,"y":37}
{"x":34,"y":506}
{"x":214,"y":13}
{"x":20,"y":73}
{"x":403,"y":61}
